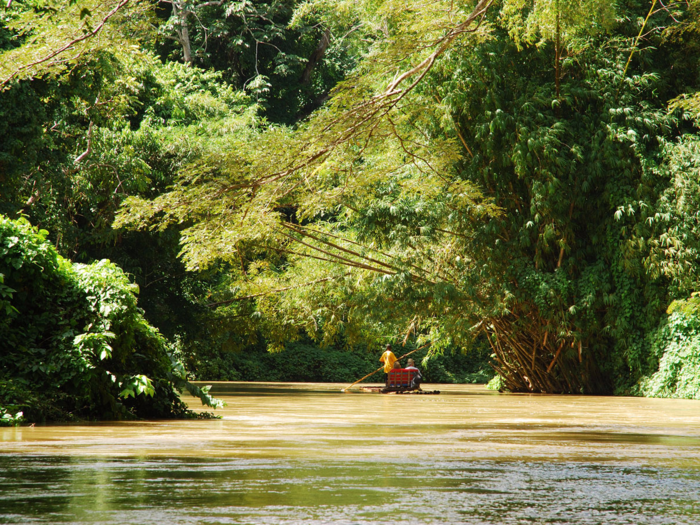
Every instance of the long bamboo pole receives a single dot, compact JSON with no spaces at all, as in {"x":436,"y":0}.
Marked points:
{"x":382,"y":367}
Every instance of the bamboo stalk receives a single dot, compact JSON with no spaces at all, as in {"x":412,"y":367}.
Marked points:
{"x":299,"y":226}
{"x":561,"y":346}
{"x":519,"y":352}
{"x":571,"y":383}
{"x":537,"y":379}
{"x":496,"y":352}
{"x":545,"y":383}
{"x":514,"y":379}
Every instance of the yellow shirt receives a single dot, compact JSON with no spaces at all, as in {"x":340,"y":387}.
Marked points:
{"x":388,"y":358}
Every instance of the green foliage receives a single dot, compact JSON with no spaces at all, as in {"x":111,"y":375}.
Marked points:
{"x":496,"y":383}
{"x":306,"y":362}
{"x":48,"y":37}
{"x":176,"y":95}
{"x":392,"y":175}
{"x":676,"y":348}
{"x":454,"y":366}
{"x":687,"y":31}
{"x":595,"y":238}
{"x":75,"y":343}
{"x":508,"y":173}
{"x":257,"y":49}
{"x":539,"y":21}
{"x":139,"y":121}
{"x":137,"y":385}
{"x":8,"y":419}
{"x":591,"y":179}
{"x":552,"y":207}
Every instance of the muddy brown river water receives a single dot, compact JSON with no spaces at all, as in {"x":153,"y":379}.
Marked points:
{"x":309,"y":454}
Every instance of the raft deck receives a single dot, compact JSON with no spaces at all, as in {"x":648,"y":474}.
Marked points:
{"x":381,"y":390}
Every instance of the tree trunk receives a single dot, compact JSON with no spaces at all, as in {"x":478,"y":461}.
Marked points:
{"x":185,"y":41}
{"x":316,"y":56}
{"x":181,"y":14}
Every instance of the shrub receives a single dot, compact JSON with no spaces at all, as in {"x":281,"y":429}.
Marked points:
{"x":74,"y":343}
{"x":676,"y":345}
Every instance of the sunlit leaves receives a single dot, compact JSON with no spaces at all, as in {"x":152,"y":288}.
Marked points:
{"x":364,"y":138}
{"x":137,"y":385}
{"x":676,"y":348}
{"x":539,"y":21}
{"x":55,"y":36}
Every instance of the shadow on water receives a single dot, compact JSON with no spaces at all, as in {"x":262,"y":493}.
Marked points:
{"x":293,"y":454}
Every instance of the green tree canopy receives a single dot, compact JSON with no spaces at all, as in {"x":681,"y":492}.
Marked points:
{"x":506,"y":169}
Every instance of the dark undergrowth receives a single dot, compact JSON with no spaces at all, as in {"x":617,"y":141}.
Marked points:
{"x":305,"y":362}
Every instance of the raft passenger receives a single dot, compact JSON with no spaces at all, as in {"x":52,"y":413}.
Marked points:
{"x":417,"y":378}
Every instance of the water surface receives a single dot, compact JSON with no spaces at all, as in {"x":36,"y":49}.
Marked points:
{"x":307,"y":453}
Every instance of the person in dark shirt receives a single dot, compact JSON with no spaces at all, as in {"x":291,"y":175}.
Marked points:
{"x":417,"y":378}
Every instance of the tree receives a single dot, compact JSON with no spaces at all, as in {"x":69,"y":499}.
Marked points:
{"x":367,"y":134}
{"x":75,"y":142}
{"x":287,"y":62}
{"x":539,"y":233}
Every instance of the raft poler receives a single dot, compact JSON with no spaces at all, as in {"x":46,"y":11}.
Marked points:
{"x":389,"y":360}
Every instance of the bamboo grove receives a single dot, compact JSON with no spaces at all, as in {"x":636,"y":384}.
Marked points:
{"x":520,"y":175}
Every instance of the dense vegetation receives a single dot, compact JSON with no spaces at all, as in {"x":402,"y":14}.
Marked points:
{"x":518,"y":175}
{"x":303,"y":361}
{"x":75,"y":344}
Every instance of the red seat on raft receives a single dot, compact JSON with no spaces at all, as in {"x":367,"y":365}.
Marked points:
{"x":400,"y":378}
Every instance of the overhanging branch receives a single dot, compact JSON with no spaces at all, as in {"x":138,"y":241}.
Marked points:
{"x":67,"y":46}
{"x":279,"y":290}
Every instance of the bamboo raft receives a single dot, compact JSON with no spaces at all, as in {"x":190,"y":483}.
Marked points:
{"x":382,"y":390}
{"x":372,"y":389}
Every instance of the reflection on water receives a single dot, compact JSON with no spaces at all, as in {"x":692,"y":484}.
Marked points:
{"x":141,"y":490}
{"x":310,"y":454}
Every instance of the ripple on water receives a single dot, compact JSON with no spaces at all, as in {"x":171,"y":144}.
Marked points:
{"x":86,"y":490}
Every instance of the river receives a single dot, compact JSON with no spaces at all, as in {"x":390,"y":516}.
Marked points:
{"x":309,"y":454}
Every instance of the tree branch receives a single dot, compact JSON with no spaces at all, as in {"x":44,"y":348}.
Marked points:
{"x":445,"y":42}
{"x":378,"y":105}
{"x":87,"y":152}
{"x":359,"y":265}
{"x":68,"y":45}
{"x":229,"y":301}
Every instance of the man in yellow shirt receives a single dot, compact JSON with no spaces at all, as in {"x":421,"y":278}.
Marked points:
{"x":388,"y":358}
